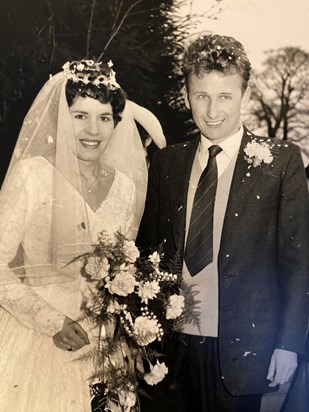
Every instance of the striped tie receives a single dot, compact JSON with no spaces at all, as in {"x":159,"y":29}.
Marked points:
{"x":199,"y":246}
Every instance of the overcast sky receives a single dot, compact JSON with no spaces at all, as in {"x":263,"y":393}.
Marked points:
{"x":260,"y":24}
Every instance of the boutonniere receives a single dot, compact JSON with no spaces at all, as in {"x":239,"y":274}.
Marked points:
{"x":257,"y":153}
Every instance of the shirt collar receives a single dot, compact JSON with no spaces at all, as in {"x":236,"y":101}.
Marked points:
{"x":229,"y":146}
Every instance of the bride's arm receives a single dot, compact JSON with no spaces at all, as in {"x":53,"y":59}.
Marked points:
{"x":30,"y":309}
{"x":17,"y":298}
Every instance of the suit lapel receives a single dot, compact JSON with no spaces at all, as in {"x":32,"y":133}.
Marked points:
{"x":243,"y":183}
{"x":179,"y":177}
{"x":180,"y":171}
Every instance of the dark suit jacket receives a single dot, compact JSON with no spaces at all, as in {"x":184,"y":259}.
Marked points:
{"x":263,"y":261}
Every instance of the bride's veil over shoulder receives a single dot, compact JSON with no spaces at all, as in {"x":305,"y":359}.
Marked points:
{"x":125,"y":152}
{"x":44,"y":160}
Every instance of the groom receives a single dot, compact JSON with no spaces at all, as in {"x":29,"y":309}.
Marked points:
{"x":234,"y":207}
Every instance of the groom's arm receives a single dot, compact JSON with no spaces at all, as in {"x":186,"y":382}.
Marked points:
{"x":148,"y":233}
{"x":293,"y":255}
{"x":282,"y":366}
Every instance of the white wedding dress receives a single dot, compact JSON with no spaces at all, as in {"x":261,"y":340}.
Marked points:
{"x":36,"y":376}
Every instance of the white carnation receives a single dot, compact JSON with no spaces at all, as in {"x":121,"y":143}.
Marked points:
{"x":156,"y":374}
{"x":258,"y":153}
{"x":123,"y":284}
{"x":175,"y":306}
{"x":145,"y":330}
{"x":131,"y":251}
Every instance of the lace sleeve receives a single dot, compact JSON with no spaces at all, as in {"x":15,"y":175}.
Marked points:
{"x":30,"y":309}
{"x":15,"y":297}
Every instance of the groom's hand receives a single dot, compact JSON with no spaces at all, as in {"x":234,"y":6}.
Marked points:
{"x":71,"y":337}
{"x":282,"y":367}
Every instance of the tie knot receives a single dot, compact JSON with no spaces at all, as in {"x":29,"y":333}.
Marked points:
{"x":214,"y":150}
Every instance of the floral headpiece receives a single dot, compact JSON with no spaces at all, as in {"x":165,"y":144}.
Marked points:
{"x":220,"y":55}
{"x":215,"y":52}
{"x":89,"y":71}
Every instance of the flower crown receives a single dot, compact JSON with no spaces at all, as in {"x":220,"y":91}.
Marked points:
{"x":215,"y":52}
{"x":219,"y":56}
{"x":89,"y":71}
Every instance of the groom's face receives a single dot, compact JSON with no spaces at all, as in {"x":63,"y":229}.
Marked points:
{"x":216,"y":101}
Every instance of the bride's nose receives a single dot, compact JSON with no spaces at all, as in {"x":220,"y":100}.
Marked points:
{"x":92,"y":127}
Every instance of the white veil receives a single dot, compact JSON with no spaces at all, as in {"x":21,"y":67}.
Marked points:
{"x":132,"y":152}
{"x":46,"y":139}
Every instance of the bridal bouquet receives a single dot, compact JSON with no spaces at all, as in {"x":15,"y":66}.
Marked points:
{"x":134,"y":302}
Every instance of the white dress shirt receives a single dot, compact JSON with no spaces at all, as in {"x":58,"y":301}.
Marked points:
{"x":206,"y":282}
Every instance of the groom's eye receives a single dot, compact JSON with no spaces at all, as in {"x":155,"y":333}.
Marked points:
{"x":202,"y":96}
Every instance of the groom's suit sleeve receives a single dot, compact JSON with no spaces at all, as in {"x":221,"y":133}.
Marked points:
{"x":148,"y":235}
{"x":293,"y":255}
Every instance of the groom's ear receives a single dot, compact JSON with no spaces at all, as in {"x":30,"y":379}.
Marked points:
{"x":187,"y":102}
{"x":246,"y":97}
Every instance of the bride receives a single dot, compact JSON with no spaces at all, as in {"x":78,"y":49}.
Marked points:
{"x":78,"y":168}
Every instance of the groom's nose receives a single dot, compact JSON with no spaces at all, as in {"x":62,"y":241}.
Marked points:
{"x":212,"y":109}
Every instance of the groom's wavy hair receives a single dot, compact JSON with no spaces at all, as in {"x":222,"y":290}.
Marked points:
{"x":213,"y":52}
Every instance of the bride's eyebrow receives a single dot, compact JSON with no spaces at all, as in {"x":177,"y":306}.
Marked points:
{"x":85,"y":112}
{"x":106,"y":114}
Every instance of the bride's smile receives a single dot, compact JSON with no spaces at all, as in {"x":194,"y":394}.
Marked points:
{"x":90,"y":144}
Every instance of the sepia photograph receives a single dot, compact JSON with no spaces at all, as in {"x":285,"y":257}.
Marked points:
{"x":154,"y":206}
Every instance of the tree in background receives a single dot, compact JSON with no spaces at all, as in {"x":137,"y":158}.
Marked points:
{"x":280,"y":96}
{"x":144,"y":38}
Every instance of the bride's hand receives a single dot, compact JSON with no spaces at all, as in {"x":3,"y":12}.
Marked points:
{"x":71,"y":337}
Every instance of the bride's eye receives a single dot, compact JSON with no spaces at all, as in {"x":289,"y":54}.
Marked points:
{"x":79,"y":116}
{"x":106,"y":118}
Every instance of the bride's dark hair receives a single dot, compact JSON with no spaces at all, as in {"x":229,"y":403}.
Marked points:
{"x":93,"y":80}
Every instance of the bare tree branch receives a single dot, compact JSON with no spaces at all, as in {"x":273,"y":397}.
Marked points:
{"x":89,"y":31}
{"x":52,"y":32}
{"x":119,"y":8}
{"x":116,"y":30}
{"x":280,"y":93}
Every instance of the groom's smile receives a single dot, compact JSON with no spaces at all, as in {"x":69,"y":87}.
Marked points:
{"x":214,"y":124}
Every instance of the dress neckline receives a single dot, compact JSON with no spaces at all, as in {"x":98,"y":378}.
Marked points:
{"x":94,"y":211}
{"x":108,"y":195}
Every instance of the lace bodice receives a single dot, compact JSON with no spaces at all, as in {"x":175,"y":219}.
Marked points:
{"x":26,"y":215}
